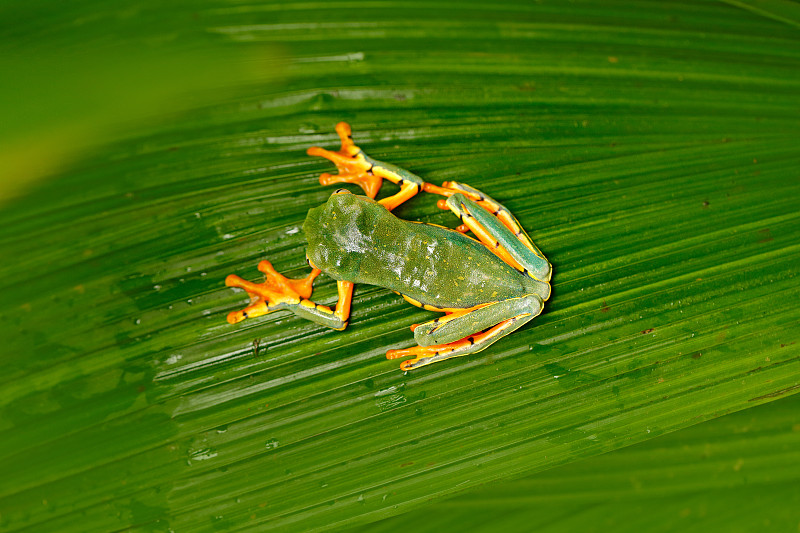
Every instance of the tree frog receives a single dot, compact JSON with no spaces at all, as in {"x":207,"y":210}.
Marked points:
{"x":487,"y":285}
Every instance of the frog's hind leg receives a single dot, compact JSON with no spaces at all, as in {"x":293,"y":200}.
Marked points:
{"x":453,"y":335}
{"x":280,"y":292}
{"x":495,"y":226}
{"x":489,"y":204}
{"x":358,"y":168}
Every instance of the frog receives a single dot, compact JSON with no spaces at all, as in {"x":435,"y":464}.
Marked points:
{"x":487,"y":284}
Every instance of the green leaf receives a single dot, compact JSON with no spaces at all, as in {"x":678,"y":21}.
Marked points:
{"x":736,"y":473}
{"x":650,"y":149}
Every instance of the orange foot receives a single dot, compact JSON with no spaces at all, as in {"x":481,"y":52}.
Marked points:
{"x":276,"y":289}
{"x":351,"y":162}
{"x":425,"y":355}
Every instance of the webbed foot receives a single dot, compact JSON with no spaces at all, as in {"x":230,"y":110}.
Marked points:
{"x":276,"y":291}
{"x":280,"y":292}
{"x":351,"y":162}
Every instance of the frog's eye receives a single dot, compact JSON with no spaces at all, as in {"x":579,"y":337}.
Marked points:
{"x":341,"y":191}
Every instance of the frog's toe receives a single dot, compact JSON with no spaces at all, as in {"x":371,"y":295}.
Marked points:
{"x":320,"y":152}
{"x":257,"y":308}
{"x":235,"y":317}
{"x":411,"y":364}
{"x":422,"y":356}
{"x":405,"y":365}
{"x":344,"y":131}
{"x":235,"y":281}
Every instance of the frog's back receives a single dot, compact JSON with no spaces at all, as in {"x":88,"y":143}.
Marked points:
{"x":356,"y":239}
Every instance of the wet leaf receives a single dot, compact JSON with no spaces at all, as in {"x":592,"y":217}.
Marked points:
{"x":736,"y":473}
{"x":650,"y":149}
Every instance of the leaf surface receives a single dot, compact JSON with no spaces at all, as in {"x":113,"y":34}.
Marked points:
{"x":650,"y":150}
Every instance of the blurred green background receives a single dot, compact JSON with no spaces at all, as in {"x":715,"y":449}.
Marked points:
{"x":147,"y":150}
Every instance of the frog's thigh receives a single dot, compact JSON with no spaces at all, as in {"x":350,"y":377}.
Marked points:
{"x":425,"y":355}
{"x":488,"y":203}
{"x":446,"y":329}
{"x":495,"y":235}
{"x":498,"y":210}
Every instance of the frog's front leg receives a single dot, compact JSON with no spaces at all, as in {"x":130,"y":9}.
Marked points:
{"x":358,"y":168}
{"x":468,"y":331}
{"x":279,"y":292}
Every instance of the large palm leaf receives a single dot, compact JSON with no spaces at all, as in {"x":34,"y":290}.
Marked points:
{"x":649,"y":148}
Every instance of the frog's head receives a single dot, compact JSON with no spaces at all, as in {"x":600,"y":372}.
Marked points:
{"x":342,"y":210}
{"x":339,"y":231}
